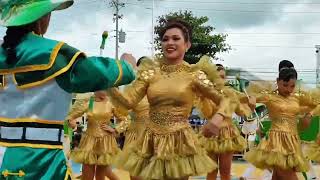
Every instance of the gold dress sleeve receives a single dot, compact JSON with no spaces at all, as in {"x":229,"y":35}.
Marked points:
{"x":206,"y":107}
{"x":262,"y":91}
{"x":263,"y":98}
{"x":210,"y":69}
{"x":220,"y":96}
{"x":134,"y":92}
{"x":211,"y":85}
{"x":258,"y":87}
{"x":79,"y":107}
{"x":311,"y":100}
{"x":122,"y":121}
{"x":207,"y":88}
{"x":243,"y":109}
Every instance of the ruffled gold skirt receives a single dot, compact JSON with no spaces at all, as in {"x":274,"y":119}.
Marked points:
{"x":162,"y":156}
{"x":229,"y":140}
{"x":96,"y":150}
{"x":313,"y":152}
{"x":280,"y":149}
{"x":132,"y":134}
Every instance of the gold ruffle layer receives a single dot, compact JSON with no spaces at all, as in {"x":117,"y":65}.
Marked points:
{"x":96,"y":150}
{"x":281,"y":149}
{"x":132,"y":134}
{"x":162,"y":156}
{"x":229,"y":140}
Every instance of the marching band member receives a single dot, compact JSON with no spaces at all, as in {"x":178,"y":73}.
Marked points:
{"x":37,"y":77}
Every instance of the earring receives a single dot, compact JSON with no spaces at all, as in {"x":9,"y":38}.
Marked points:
{"x":187,"y":50}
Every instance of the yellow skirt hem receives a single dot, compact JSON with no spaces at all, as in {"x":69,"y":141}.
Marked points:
{"x":91,"y":158}
{"x":216,"y":145}
{"x":269,"y":160}
{"x":156,"y":168}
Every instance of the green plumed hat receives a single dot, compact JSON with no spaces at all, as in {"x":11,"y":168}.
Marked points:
{"x":22,"y":12}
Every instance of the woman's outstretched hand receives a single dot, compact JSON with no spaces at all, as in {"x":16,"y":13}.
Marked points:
{"x":108,"y":128}
{"x":212,"y":128}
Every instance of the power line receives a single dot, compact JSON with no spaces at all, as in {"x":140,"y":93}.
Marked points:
{"x":230,"y":10}
{"x":246,"y":3}
{"x":136,"y":31}
{"x":268,"y":33}
{"x":135,"y":4}
{"x":250,"y":33}
{"x":272,"y":46}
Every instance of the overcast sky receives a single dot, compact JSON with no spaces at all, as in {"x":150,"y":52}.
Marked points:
{"x":261,"y":32}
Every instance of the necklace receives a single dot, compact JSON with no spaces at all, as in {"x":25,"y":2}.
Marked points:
{"x":167,"y":69}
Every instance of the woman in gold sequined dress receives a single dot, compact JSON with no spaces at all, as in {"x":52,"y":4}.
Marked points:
{"x":98,"y":145}
{"x":281,"y":150}
{"x":222,"y":147}
{"x":168,"y":148}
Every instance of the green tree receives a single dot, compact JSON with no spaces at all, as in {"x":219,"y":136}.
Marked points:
{"x":203,"y":42}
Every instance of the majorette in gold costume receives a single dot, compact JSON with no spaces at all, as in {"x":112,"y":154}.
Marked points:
{"x":97,"y":146}
{"x":168,"y":147}
{"x":282,"y":147}
{"x":229,"y":139}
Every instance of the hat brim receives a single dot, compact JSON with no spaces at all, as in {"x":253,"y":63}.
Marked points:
{"x":31,"y":12}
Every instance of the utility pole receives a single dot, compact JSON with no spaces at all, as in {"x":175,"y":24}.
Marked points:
{"x":152,"y":41}
{"x":117,"y":5}
{"x":318,"y":66}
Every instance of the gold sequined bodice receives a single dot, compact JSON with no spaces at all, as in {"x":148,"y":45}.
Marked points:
{"x":101,"y":113}
{"x":283,"y":112}
{"x":171,"y":91}
{"x":171,"y":95}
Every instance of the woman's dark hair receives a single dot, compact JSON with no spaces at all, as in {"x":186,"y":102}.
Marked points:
{"x":285,"y":63}
{"x":12,"y":39}
{"x":286,"y":74}
{"x":140,"y":60}
{"x":180,"y":24}
{"x":220,"y":67}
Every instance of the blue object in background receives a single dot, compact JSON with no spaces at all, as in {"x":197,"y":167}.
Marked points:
{"x":76,"y":168}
